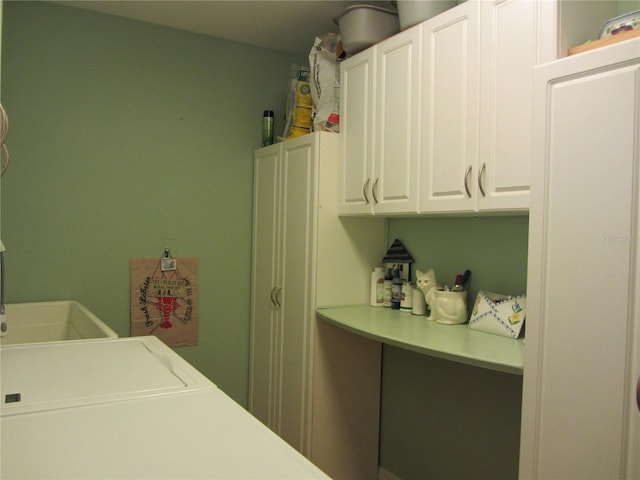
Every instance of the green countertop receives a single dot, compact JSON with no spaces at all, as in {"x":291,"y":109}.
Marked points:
{"x":452,"y":342}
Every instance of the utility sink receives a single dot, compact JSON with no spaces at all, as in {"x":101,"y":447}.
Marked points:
{"x":51,"y":322}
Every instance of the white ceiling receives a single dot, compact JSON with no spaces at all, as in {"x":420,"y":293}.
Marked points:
{"x":286,"y":25}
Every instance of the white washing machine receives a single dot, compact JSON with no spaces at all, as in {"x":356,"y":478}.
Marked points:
{"x":128,"y":408}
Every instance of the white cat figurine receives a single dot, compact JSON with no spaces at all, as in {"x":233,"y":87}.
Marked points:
{"x":428,"y":284}
{"x":446,"y":307}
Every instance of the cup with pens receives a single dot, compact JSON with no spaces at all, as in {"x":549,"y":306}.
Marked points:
{"x":449,"y":306}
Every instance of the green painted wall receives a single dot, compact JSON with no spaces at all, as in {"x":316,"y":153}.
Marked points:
{"x":126,"y":138}
{"x":441,"y":419}
{"x":493,"y":248}
{"x":625,"y":6}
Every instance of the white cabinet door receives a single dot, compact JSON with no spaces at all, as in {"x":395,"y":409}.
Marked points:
{"x":284,"y":229}
{"x":580,"y":419}
{"x":264,"y":283}
{"x":450,"y":110}
{"x":515,"y":35}
{"x":394,"y":187}
{"x":298,"y":225}
{"x":356,"y":133}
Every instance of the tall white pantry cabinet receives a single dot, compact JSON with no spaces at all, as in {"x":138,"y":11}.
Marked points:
{"x":313,"y":384}
{"x":581,"y":405}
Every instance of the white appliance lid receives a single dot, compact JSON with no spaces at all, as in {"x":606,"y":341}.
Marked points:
{"x":200,"y":434}
{"x":55,"y":375}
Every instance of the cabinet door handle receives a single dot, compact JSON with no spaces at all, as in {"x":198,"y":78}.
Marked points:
{"x":365,"y":187}
{"x":638,"y":394}
{"x":480,"y":174}
{"x":466,"y":181}
{"x":374,"y":187}
{"x":277,"y":296}
{"x":271,"y":295}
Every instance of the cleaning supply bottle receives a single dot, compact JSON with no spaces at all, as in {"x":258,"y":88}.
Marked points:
{"x":377,"y":287}
{"x":386,"y":302}
{"x":396,"y":289}
{"x":267,"y":128}
{"x":406,"y":300}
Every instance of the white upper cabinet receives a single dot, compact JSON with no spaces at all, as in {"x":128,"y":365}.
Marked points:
{"x":478,"y":61}
{"x":450,"y":110}
{"x":380,"y":90}
{"x":516,"y":36}
{"x":437,"y":119}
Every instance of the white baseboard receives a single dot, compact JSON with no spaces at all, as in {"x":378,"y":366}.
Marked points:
{"x":384,"y":474}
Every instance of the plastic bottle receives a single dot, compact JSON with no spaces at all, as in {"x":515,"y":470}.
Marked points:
{"x":406,"y":300}
{"x":267,"y":128}
{"x":387,"y":289}
{"x":396,"y":290}
{"x":418,"y":303}
{"x":377,"y":287}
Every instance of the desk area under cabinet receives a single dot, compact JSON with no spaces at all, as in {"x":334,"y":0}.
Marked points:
{"x":458,"y":343}
{"x":438,"y":386}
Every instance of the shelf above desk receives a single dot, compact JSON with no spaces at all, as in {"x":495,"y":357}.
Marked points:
{"x":458,"y":343}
